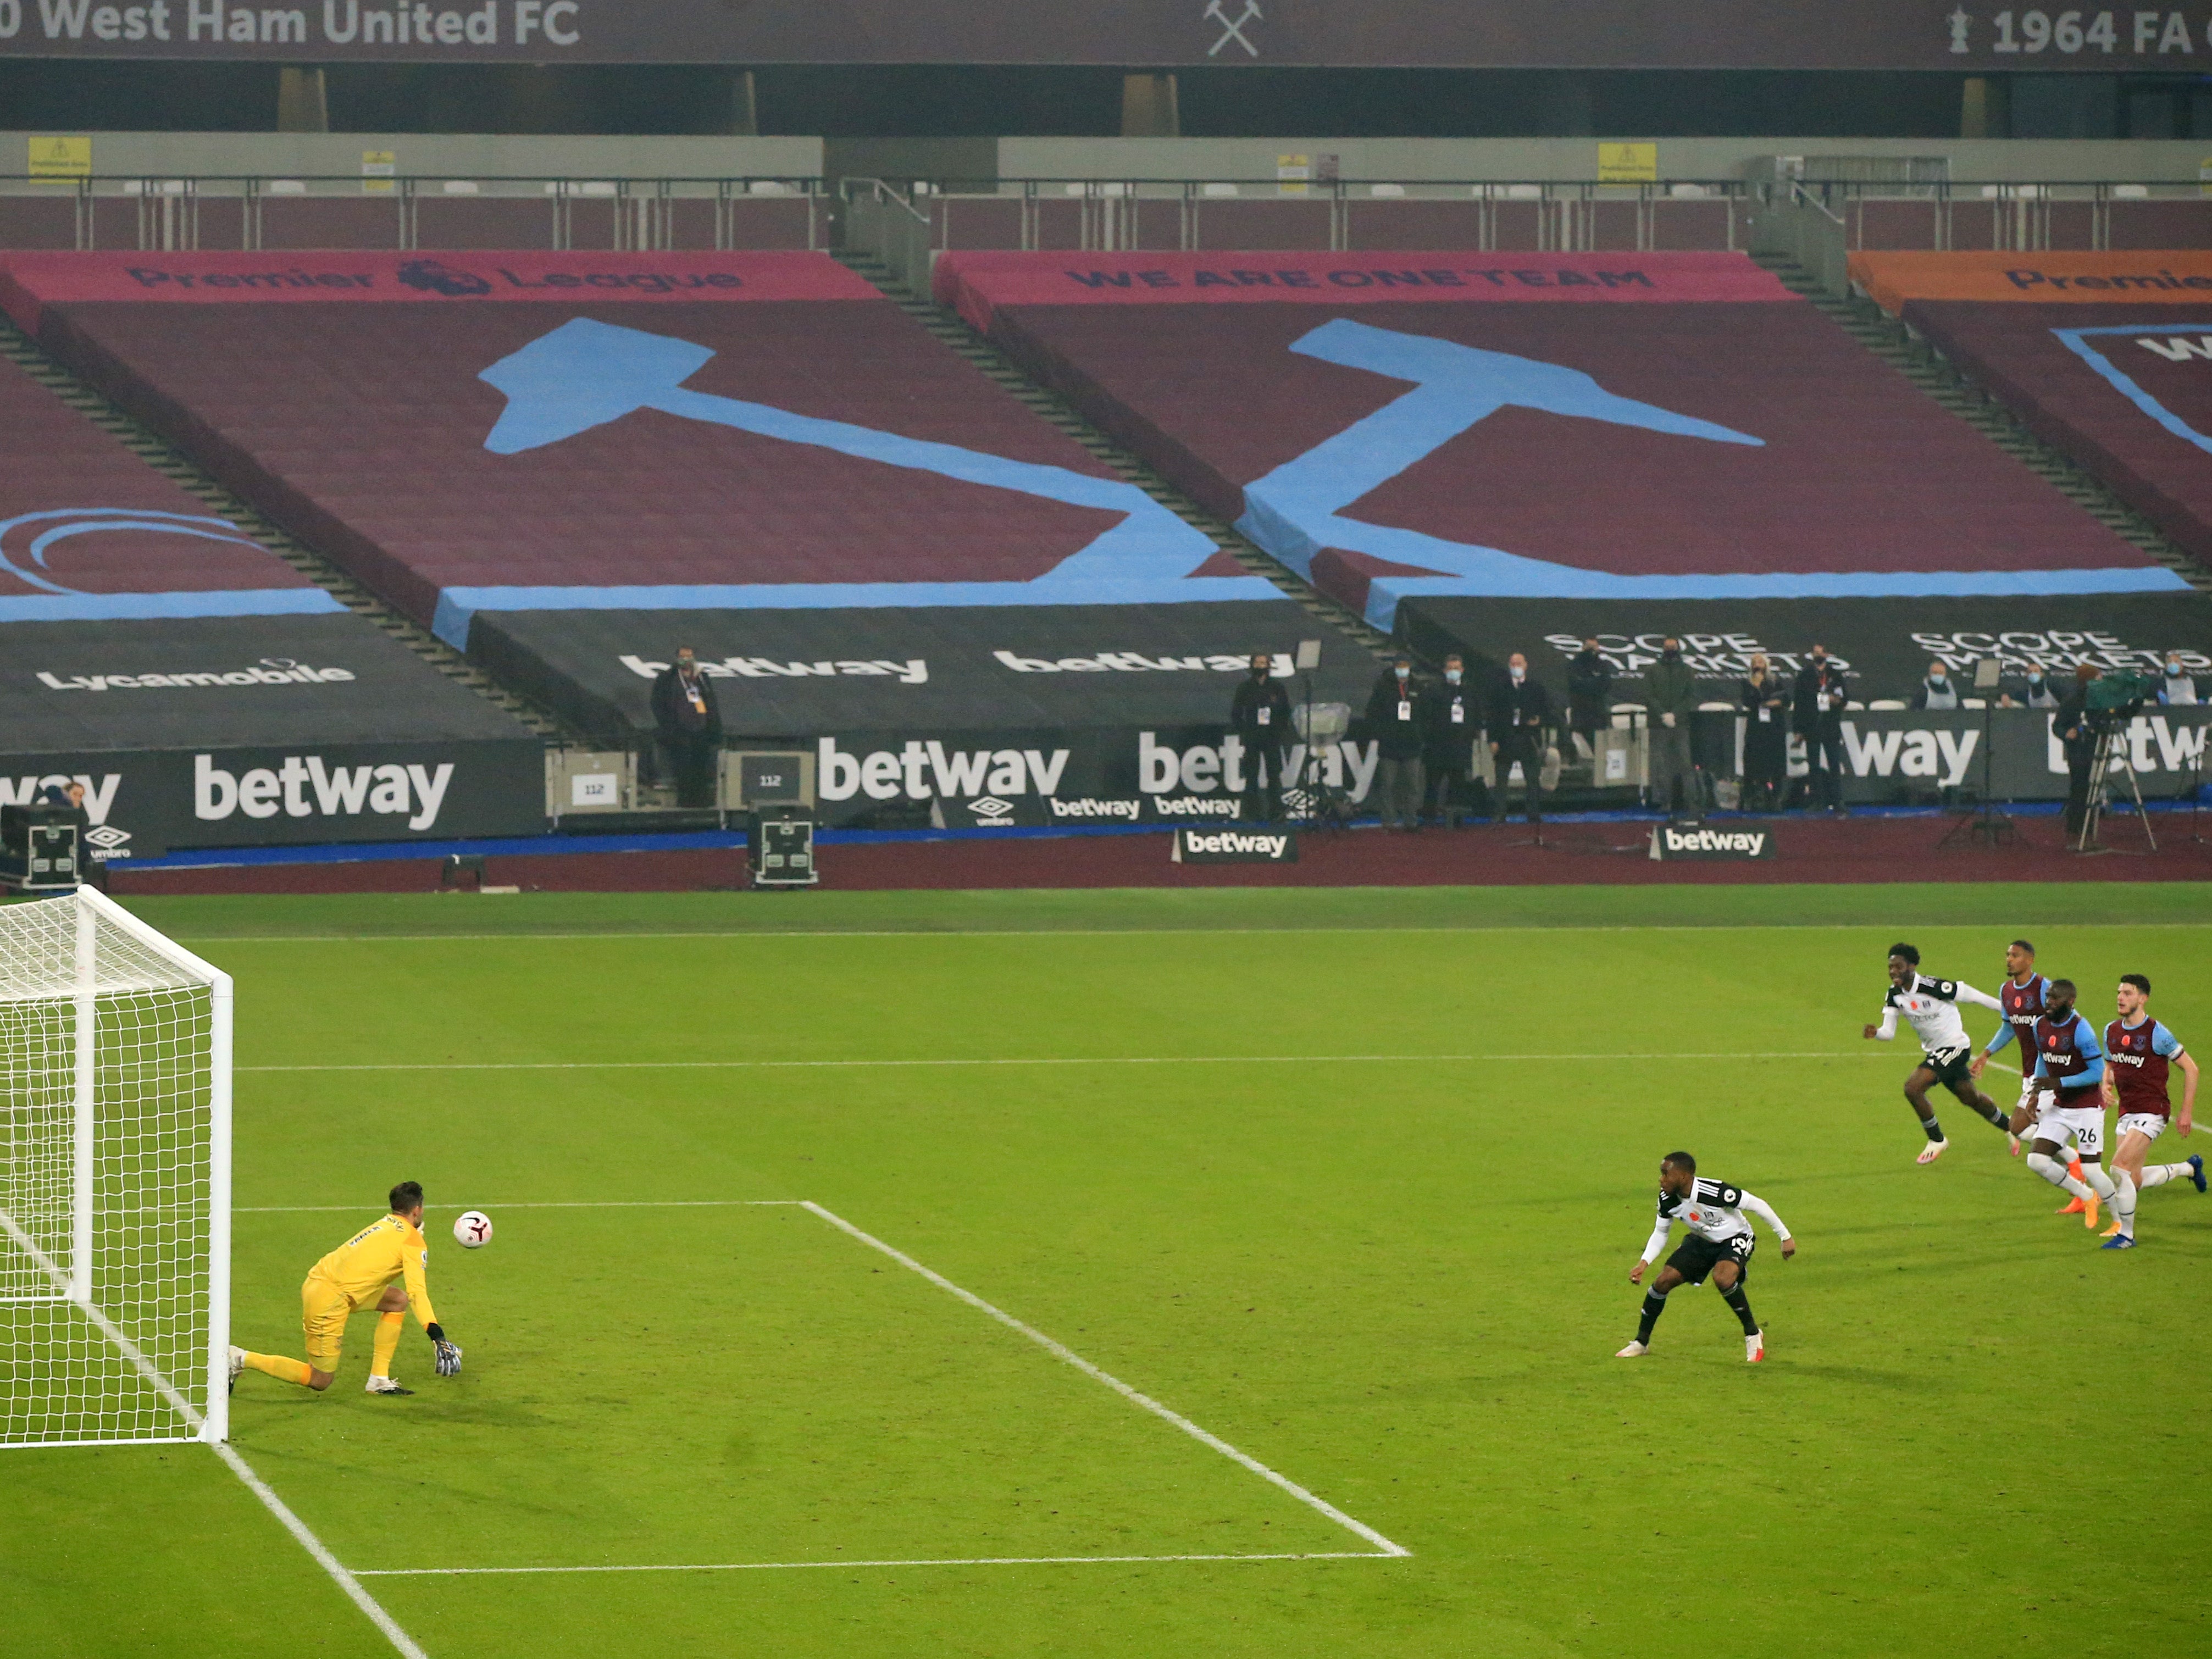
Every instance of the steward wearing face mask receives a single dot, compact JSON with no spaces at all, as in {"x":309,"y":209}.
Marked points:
{"x":2177,"y":686}
{"x":1818,"y":719}
{"x":1455,"y":722}
{"x":1520,"y":710}
{"x":1398,"y":721}
{"x":1670,"y":695}
{"x":1938,"y":691}
{"x":1260,"y":714}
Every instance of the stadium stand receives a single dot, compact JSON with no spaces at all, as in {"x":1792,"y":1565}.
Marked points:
{"x":1487,"y":453}
{"x":146,"y":642}
{"x":569,"y":463}
{"x":2106,"y":356}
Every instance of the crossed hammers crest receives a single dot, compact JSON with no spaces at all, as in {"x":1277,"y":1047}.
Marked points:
{"x":1233,"y":28}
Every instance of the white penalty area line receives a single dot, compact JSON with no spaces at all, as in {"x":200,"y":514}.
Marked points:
{"x":946,"y":1561}
{"x":349,"y":1582}
{"x":541,"y":1204}
{"x":1383,"y":1548}
{"x":1073,"y":1059}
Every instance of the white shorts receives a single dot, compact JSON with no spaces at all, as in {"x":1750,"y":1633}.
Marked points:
{"x":2149,"y":1125}
{"x":2027,"y":1094}
{"x":2083,"y":1125}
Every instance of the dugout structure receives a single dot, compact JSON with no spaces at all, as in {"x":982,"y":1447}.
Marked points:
{"x":115,"y":1057}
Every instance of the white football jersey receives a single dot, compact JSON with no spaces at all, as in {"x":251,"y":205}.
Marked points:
{"x":1713,"y":1210}
{"x":1932,"y":1005}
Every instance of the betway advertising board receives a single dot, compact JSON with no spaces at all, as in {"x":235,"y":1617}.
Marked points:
{"x":1032,"y":779}
{"x":142,"y":803}
{"x":1918,"y":750}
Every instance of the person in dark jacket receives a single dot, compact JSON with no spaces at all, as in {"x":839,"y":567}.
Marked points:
{"x":1397,"y":721}
{"x":2078,"y":737}
{"x":1818,"y":719}
{"x":1456,"y":718}
{"x":1589,"y":691}
{"x":1670,"y":696}
{"x":1765,"y":699}
{"x":1260,"y":714}
{"x":1520,"y":710}
{"x":690,"y":725}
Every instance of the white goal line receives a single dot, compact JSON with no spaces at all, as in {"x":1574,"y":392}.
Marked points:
{"x":1381,"y":1548}
{"x":1073,"y":1059}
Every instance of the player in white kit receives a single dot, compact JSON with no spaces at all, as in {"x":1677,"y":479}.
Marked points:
{"x":1719,"y":1245}
{"x":1932,"y":1005}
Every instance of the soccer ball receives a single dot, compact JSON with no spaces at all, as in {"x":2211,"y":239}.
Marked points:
{"x":472,"y":1231}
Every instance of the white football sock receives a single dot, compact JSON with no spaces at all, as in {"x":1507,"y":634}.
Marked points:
{"x":2055,"y":1172}
{"x":2094,"y":1173}
{"x":2157,"y":1174}
{"x":2123,"y":1202}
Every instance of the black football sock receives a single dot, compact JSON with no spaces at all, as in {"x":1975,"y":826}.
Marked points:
{"x":1935,"y":1129}
{"x":1655,"y":1304}
{"x":2000,"y":1119}
{"x":1735,"y":1298}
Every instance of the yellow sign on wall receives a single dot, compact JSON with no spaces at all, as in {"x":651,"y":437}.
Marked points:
{"x":60,"y":158}
{"x":1628,"y":164}
{"x":377,"y":168}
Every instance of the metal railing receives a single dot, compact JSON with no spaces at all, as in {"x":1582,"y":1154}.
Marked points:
{"x":1130,"y":214}
{"x":173,"y":214}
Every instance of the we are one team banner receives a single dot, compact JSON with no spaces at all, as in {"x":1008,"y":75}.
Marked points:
{"x":980,"y":283}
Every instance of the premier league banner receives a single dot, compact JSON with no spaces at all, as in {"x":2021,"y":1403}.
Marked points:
{"x":1920,"y":35}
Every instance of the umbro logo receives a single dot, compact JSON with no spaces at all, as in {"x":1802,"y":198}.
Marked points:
{"x":989,"y":807}
{"x":106,"y":835}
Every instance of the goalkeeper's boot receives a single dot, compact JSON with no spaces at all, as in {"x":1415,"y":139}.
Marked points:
{"x":1633,"y":1351}
{"x":237,"y":1365}
{"x":385,"y":1385}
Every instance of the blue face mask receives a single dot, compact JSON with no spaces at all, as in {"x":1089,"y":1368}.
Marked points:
{"x":1451,"y":676}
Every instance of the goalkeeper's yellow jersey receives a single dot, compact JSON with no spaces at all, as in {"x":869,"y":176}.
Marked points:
{"x":385,"y":1249}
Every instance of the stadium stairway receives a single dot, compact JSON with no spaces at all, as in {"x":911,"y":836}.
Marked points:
{"x":1914,"y":356}
{"x":948,"y":327}
{"x":20,"y":349}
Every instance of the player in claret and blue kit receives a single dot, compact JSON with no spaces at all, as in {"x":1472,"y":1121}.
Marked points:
{"x":1932,"y":1005}
{"x":2020,"y":1005}
{"x":1720,"y":1245}
{"x":2140,"y":1056}
{"x":2070,"y":1079}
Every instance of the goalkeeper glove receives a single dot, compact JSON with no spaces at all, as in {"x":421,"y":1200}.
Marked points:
{"x":449,"y":1353}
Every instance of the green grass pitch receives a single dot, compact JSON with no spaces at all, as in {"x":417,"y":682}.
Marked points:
{"x":1351,"y":1180}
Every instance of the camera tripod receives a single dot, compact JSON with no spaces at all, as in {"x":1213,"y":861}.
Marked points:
{"x":2111,"y":755}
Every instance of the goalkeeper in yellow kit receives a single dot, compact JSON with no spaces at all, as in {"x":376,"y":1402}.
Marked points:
{"x":349,"y":1278}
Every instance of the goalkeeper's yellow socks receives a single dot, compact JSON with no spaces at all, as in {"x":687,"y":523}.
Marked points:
{"x":276,"y":1365}
{"x":387,"y":1343}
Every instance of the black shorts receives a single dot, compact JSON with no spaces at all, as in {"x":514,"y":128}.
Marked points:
{"x":1950,"y":1067}
{"x":1698,"y":1256}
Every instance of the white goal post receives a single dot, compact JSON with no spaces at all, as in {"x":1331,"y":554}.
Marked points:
{"x":115,"y":1059}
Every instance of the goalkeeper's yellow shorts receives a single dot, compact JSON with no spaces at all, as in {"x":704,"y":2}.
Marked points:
{"x":324,"y":1309}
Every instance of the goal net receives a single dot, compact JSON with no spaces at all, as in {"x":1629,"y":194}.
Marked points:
{"x":114,"y":1180}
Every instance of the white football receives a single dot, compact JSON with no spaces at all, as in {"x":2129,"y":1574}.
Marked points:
{"x":472,"y":1231}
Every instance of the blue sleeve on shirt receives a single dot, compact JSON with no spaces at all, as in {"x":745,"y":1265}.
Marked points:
{"x":2163,"y":1041}
{"x":2085,"y":1044}
{"x":2003,"y":1037}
